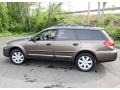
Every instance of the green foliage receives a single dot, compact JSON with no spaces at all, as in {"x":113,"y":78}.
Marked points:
{"x":114,"y":32}
{"x":54,"y":17}
{"x":4,"y":18}
{"x":111,"y":24}
{"x":108,"y":19}
{"x":94,"y":21}
{"x":39,"y":21}
{"x":72,"y":20}
{"x":5,"y":34}
{"x":118,"y":43}
{"x":16,"y":18}
{"x":14,"y":34}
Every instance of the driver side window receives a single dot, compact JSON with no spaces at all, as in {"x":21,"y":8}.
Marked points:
{"x":46,"y":35}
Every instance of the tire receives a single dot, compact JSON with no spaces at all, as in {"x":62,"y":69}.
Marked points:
{"x":17,"y":56}
{"x":85,"y":62}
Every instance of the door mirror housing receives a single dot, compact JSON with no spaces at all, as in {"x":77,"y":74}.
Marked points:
{"x":35,"y":39}
{"x":32,"y":39}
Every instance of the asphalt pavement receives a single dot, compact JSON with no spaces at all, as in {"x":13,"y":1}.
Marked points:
{"x":52,"y":74}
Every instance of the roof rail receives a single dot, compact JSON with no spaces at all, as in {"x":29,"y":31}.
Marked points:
{"x":90,"y":25}
{"x":73,"y":25}
{"x":67,"y":25}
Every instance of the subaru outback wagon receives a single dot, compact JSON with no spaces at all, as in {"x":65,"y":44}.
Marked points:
{"x":83,"y":45}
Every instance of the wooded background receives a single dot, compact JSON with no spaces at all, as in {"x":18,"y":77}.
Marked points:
{"x":18,"y":17}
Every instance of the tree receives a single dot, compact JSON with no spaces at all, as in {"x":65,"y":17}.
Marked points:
{"x":19,"y":13}
{"x":53,"y":10}
{"x":16,"y":16}
{"x":4,"y":19}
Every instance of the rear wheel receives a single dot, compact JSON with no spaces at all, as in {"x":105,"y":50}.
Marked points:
{"x":17,"y":56}
{"x":85,"y":62}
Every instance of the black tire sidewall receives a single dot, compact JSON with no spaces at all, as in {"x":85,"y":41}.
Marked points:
{"x":16,"y":50}
{"x":85,"y":54}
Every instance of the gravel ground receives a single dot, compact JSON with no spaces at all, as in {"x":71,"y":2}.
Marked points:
{"x":52,"y":74}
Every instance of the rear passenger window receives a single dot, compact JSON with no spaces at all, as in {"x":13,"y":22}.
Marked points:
{"x":65,"y":35}
{"x":90,"y":35}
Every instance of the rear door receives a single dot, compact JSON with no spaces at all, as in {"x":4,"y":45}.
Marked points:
{"x":65,"y":44}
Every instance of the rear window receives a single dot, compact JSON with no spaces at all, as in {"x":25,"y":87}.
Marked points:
{"x":90,"y":35}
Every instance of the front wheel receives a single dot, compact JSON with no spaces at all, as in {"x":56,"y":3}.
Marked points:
{"x":85,"y":62}
{"x":17,"y":56}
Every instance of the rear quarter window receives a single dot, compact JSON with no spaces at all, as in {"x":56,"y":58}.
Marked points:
{"x":90,"y":35}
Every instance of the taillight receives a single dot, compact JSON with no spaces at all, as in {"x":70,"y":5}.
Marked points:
{"x":110,"y":44}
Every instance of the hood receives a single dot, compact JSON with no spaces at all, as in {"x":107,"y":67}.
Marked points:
{"x":18,"y":40}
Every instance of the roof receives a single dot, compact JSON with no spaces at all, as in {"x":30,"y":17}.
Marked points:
{"x":75,"y":27}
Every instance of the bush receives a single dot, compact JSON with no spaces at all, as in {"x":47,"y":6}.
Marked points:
{"x":114,"y":32}
{"x":15,"y":18}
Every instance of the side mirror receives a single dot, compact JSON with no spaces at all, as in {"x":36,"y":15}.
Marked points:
{"x":32,"y":39}
{"x":35,"y":39}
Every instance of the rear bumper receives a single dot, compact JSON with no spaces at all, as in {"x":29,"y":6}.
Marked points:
{"x":106,"y":56}
{"x":6,"y":51}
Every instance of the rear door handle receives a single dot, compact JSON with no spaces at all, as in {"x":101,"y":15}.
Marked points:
{"x":75,"y":44}
{"x":48,"y":44}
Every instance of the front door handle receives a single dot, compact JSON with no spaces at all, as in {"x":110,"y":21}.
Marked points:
{"x":75,"y":44}
{"x":48,"y":44}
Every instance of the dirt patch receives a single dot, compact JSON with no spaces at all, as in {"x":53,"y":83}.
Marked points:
{"x":39,"y":66}
{"x":27,"y":79}
{"x":31,"y":70}
{"x":54,"y":86}
{"x":51,"y":66}
{"x":60,"y":67}
{"x":26,"y":64}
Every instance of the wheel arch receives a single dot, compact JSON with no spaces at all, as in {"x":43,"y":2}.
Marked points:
{"x":17,"y":47}
{"x":85,"y":51}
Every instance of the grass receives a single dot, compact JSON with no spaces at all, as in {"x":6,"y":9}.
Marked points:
{"x":9,"y":34}
{"x":118,"y":43}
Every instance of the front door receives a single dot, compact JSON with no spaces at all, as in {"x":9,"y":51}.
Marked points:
{"x":42,"y":45}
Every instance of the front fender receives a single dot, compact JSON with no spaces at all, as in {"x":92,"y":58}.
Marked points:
{"x":20,"y":47}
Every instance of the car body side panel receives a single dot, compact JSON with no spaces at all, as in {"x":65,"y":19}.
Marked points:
{"x":6,"y":50}
{"x":39,"y":48}
{"x":31,"y":49}
{"x":98,"y":48}
{"x":65,"y":49}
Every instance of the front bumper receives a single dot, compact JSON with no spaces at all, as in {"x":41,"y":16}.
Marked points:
{"x":106,"y":56}
{"x":6,"y":51}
